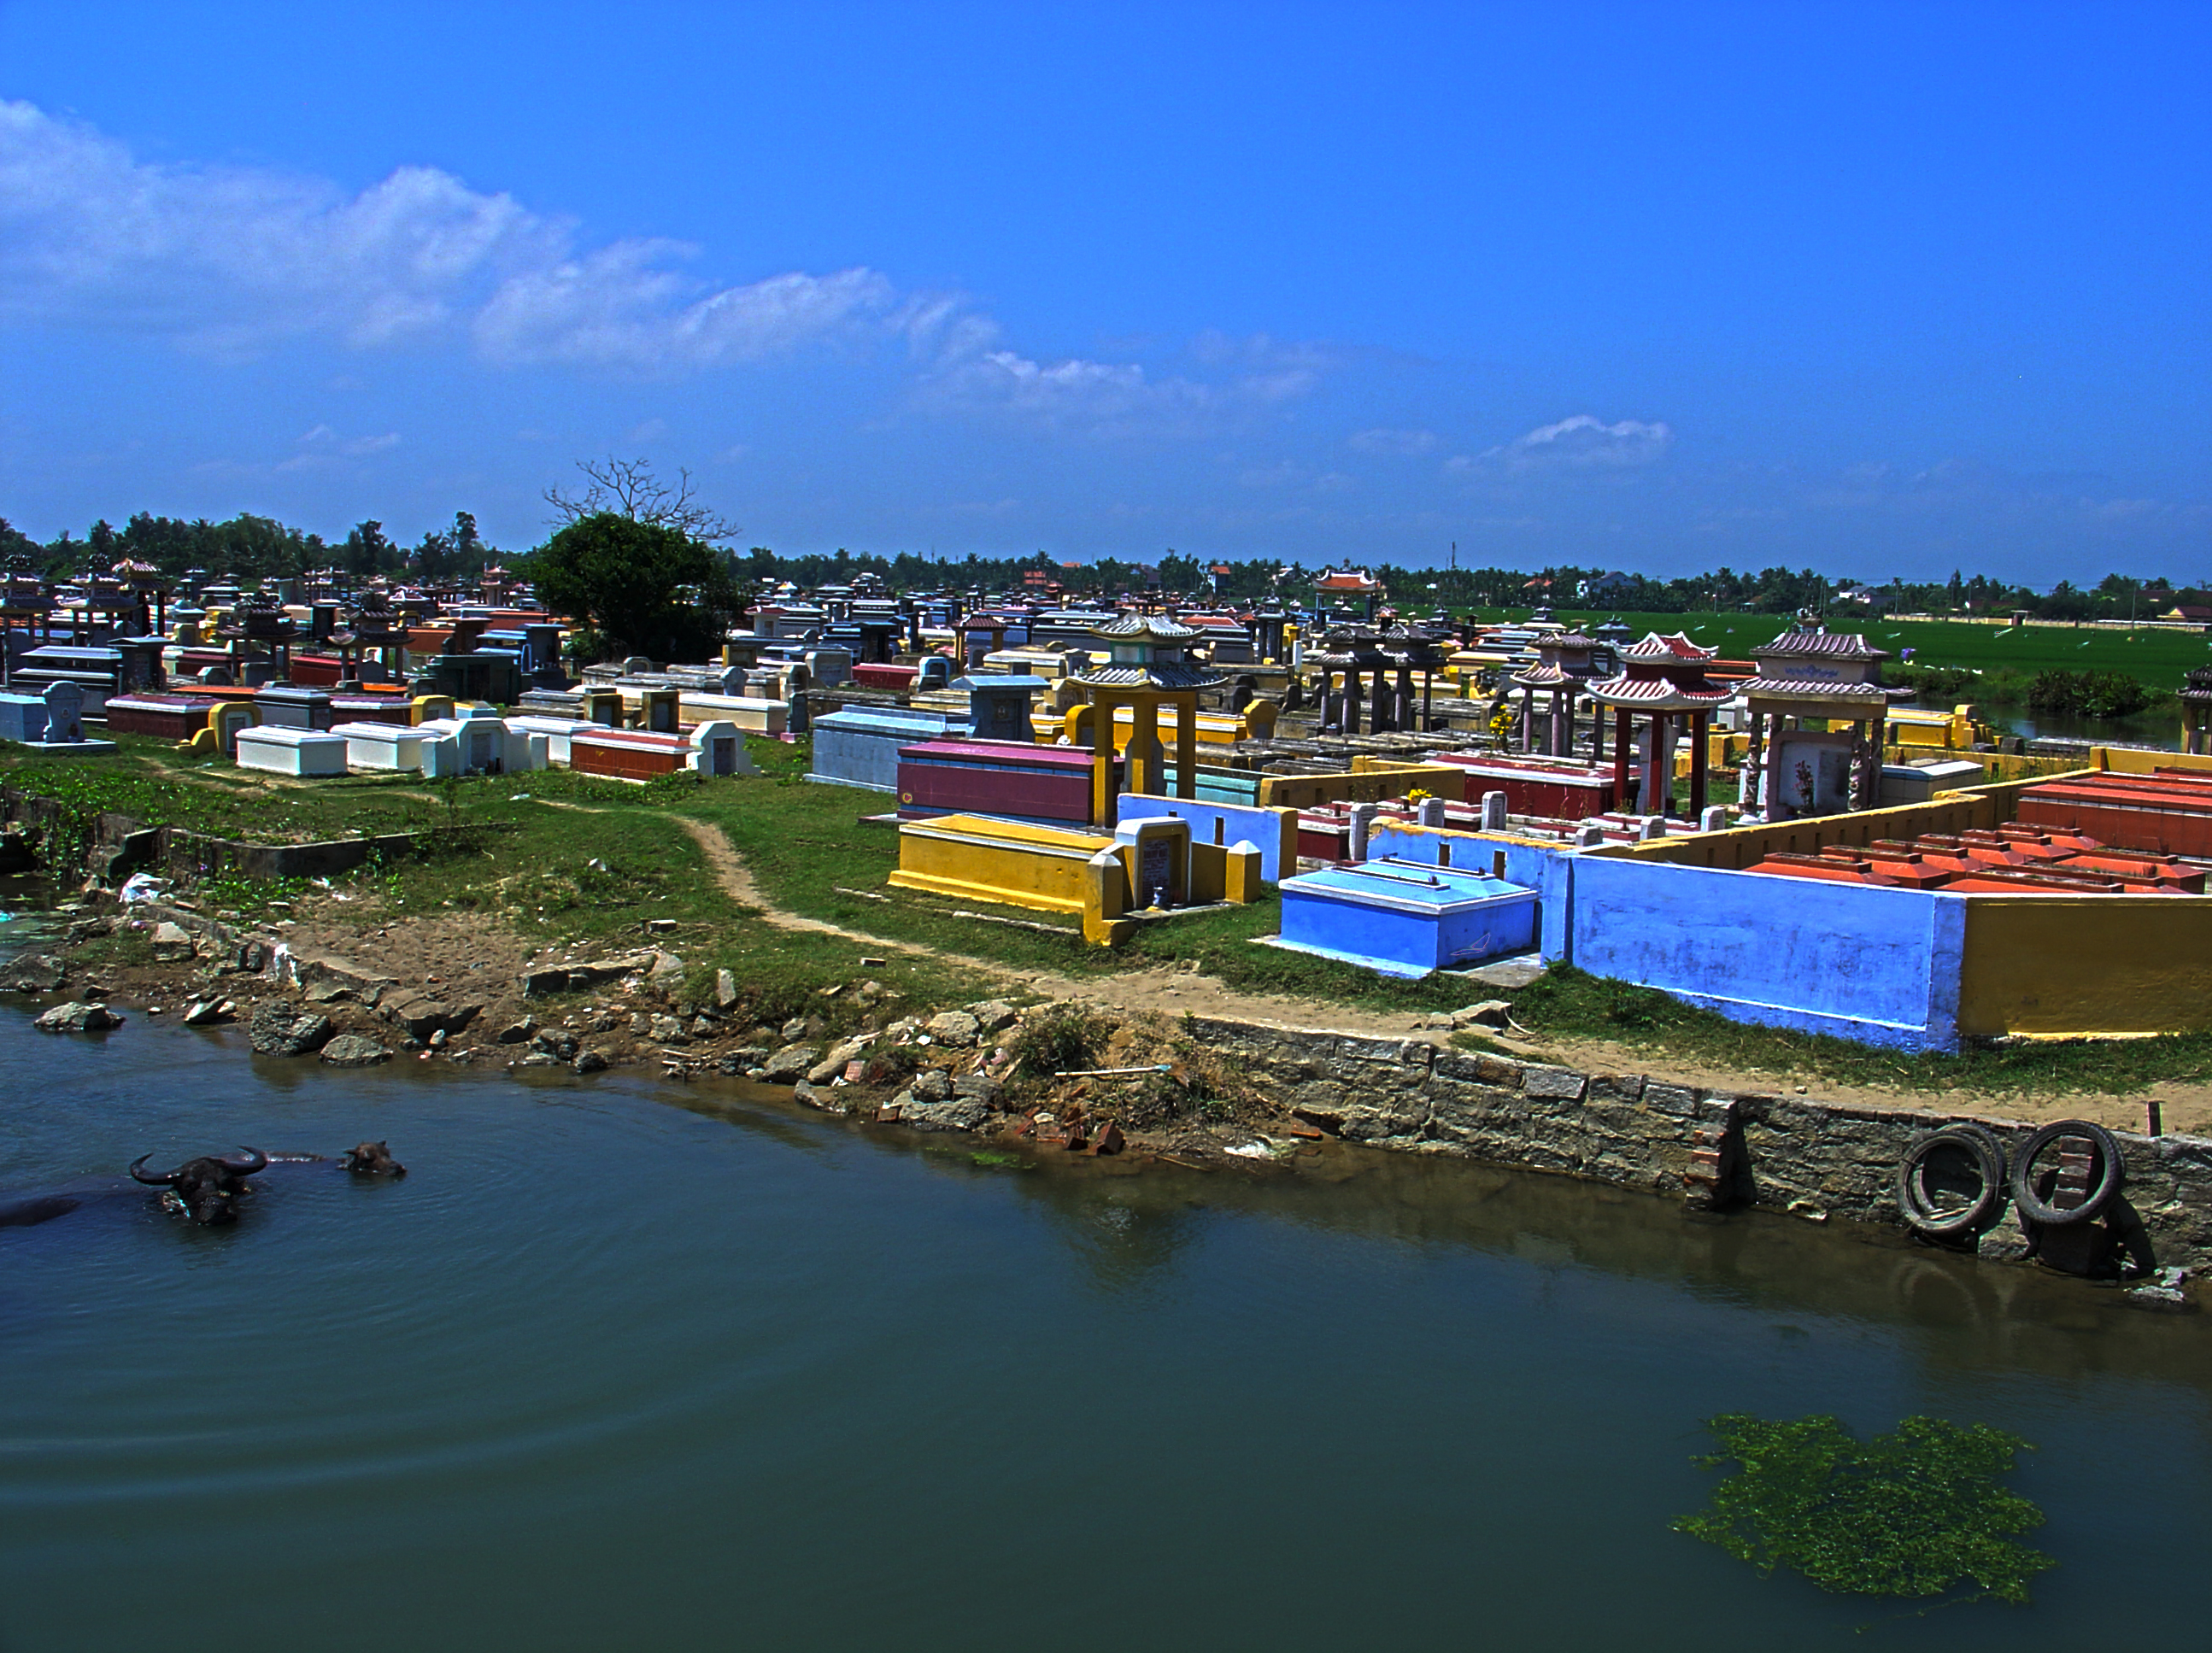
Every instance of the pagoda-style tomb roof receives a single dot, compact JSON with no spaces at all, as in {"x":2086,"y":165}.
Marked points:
{"x":1662,"y":674}
{"x":1147,"y":651}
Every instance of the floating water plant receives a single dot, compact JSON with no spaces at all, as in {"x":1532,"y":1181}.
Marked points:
{"x":1910,"y":1513}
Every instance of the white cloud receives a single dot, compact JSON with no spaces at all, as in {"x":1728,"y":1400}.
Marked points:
{"x":236,"y":260}
{"x":1583,"y":441}
{"x":1410,"y":444}
{"x":323,"y":446}
{"x":232,"y":260}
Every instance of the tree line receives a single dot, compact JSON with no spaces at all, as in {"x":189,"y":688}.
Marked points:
{"x":256,"y":547}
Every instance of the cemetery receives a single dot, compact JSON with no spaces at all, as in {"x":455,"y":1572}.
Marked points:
{"x":1406,"y":797}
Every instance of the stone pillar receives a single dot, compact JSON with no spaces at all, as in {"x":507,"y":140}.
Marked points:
{"x":1563,"y":721}
{"x":1141,"y":758}
{"x":1700,"y":739}
{"x":1102,"y":759}
{"x":1623,"y":752}
{"x":1527,"y":720}
{"x":1658,"y":789}
{"x":1187,"y":746}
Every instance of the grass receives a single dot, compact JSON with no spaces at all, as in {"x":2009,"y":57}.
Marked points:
{"x":803,"y":842}
{"x":1568,"y":1004}
{"x":2159,"y":656}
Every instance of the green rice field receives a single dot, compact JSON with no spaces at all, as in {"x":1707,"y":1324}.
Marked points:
{"x":2157,"y":655}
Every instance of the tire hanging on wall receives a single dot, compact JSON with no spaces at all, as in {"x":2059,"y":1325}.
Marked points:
{"x":1919,"y":1210}
{"x":2113,"y":1174}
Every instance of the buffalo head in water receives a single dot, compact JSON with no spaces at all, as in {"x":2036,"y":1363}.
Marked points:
{"x":372,"y":1159}
{"x":206,"y":1188}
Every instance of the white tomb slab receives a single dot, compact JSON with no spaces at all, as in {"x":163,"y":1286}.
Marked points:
{"x":280,"y":749}
{"x":557,"y":733}
{"x":381,"y":745}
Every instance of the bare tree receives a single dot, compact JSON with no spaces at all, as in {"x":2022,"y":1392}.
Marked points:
{"x":628,"y":487}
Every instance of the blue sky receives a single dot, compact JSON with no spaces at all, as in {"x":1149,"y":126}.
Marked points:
{"x":1880,"y":289}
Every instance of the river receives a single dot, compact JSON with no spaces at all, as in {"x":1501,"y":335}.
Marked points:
{"x":625,"y":1365}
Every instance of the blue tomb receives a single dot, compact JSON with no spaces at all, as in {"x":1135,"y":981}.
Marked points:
{"x":859,"y":746}
{"x":1404,"y":918}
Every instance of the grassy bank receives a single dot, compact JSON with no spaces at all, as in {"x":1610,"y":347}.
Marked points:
{"x":1567,"y":1004}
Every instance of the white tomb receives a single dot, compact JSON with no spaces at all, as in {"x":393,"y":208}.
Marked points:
{"x":381,"y":745}
{"x":280,"y":750}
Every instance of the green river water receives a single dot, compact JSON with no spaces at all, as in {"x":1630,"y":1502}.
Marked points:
{"x":625,"y":1365}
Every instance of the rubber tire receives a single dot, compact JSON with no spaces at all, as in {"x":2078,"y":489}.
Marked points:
{"x":2033,"y":1208}
{"x":1989,"y":1160}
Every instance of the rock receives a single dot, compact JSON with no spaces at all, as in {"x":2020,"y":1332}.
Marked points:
{"x":206,"y":1012}
{"x":702,"y":1027}
{"x":438,"y":1039}
{"x":978,"y":1087}
{"x":793,"y":1029}
{"x":640,"y":1024}
{"x":660,"y":926}
{"x":171,"y":942}
{"x":1490,"y":1012}
{"x":726,"y":990}
{"x":791,"y":1064}
{"x":955,"y":1027}
{"x":78,"y":1017}
{"x":282,"y":1029}
{"x":958,"y":1114}
{"x":419,"y":1016}
{"x":932,"y":1085}
{"x":352,"y":1050}
{"x":833,"y":1064}
{"x":589,"y":1062}
{"x":519,"y":1032}
{"x":668,"y":1031}
{"x":330,"y":992}
{"x":992,"y":1014}
{"x":560,"y":1045}
{"x":538,"y":1059}
{"x":666,"y":967}
{"x":32,"y":973}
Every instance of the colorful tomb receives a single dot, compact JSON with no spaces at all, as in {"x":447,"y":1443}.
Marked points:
{"x":714,"y":748}
{"x":1405,"y":918}
{"x":1049,"y":784}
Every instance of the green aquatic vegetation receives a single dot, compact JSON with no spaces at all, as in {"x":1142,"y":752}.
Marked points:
{"x":991,"y":1158}
{"x":1910,"y":1513}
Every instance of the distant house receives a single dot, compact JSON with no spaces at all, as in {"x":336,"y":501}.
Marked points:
{"x":1873,"y":598}
{"x":2192,"y":613}
{"x":1603,"y":587}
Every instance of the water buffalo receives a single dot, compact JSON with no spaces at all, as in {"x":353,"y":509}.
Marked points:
{"x":39,"y":1208}
{"x":372,"y":1159}
{"x":206,"y":1189}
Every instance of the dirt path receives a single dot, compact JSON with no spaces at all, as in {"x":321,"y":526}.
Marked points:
{"x":1167,"y":991}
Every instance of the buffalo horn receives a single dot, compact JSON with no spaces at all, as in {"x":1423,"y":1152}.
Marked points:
{"x":166,"y":1180}
{"x":246,"y":1162}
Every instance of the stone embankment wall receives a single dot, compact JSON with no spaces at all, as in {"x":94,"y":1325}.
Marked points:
{"x":1786,"y":1153}
{"x":122,"y":845}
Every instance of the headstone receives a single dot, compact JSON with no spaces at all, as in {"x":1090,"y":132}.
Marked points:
{"x":636,"y":665}
{"x":64,"y":715}
{"x":1493,"y":812}
{"x":1589,"y":835}
{"x":1363,"y":822}
{"x":1431,"y":812}
{"x":936,"y":672}
{"x":1652,"y":826}
{"x":1715,"y":819}
{"x":795,"y":721}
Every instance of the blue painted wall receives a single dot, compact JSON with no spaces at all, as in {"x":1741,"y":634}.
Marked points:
{"x":1882,"y":966}
{"x":859,"y":746}
{"x":1544,"y":868}
{"x":1261,"y":827}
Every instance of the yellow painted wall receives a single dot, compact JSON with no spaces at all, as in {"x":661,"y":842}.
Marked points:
{"x":2057,"y":964}
{"x":975,"y":858}
{"x":1369,"y":781}
{"x":2133,"y":760}
{"x":1214,"y":728}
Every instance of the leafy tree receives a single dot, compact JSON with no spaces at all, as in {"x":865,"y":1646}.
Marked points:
{"x":642,"y":587}
{"x":367,"y":550}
